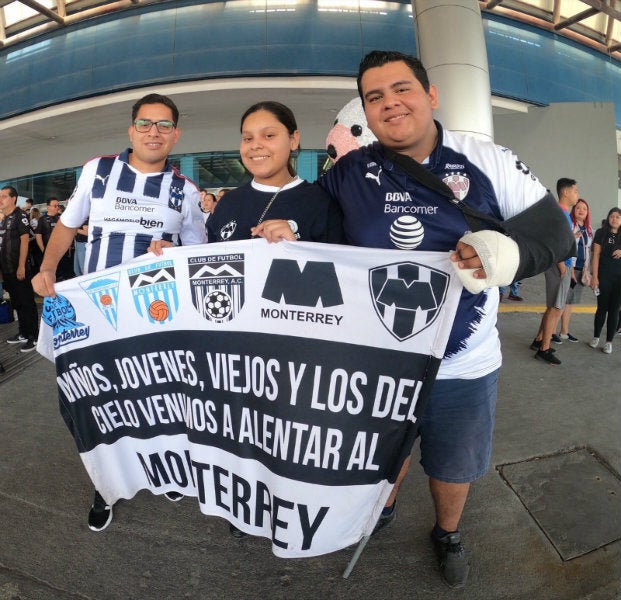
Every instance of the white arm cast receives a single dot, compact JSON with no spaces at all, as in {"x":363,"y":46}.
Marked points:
{"x":500,"y":257}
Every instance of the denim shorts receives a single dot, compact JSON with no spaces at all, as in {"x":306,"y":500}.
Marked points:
{"x":456,"y":428}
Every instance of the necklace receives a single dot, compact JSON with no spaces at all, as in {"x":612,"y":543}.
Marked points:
{"x":271,"y":200}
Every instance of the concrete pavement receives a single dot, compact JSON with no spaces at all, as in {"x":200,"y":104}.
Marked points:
{"x":552,"y":492}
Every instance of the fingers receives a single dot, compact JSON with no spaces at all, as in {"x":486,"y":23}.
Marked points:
{"x":466,"y":257}
{"x":43,"y":283}
{"x":274,"y":230}
{"x":157,"y":247}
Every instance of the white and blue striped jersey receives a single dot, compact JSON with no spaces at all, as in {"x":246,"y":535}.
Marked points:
{"x":128,"y":209}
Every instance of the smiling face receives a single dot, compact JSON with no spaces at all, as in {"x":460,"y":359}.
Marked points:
{"x":151,"y":149}
{"x":398,"y":109}
{"x":581,"y":212}
{"x":265,"y":147}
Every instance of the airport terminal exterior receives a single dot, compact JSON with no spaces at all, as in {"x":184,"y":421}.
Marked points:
{"x":219,"y":50}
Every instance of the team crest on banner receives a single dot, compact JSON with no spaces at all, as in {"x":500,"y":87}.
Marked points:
{"x":459,"y":185}
{"x":217,"y":285}
{"x":407,"y":296}
{"x":154,"y":289}
{"x":104,"y":292}
{"x":60,"y":315}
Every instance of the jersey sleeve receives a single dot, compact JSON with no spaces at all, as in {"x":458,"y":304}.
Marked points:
{"x":192,"y":224}
{"x":79,"y":205}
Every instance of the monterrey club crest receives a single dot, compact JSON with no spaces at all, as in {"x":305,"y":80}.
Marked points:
{"x":155,"y":291}
{"x":407,"y":296}
{"x":459,"y":185}
{"x":217,"y":285}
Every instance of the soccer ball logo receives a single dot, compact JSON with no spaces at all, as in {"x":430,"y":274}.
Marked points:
{"x":228,"y":230}
{"x":218,"y":305}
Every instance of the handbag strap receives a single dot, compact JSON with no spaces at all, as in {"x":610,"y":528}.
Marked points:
{"x":425,"y":177}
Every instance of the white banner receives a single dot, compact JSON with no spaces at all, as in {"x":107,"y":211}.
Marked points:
{"x":276,"y":383}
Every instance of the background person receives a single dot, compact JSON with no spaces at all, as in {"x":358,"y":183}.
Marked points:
{"x":581,"y":276}
{"x":43,"y":232}
{"x":558,"y":279}
{"x":112,"y":237}
{"x":606,"y":265}
{"x":14,"y":238}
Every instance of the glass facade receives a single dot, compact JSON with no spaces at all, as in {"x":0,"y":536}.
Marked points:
{"x":212,"y":170}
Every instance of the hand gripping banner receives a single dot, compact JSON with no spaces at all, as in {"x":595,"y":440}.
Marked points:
{"x":277,"y":383}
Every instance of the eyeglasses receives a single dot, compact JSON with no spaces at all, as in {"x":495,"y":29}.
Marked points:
{"x":144,"y":126}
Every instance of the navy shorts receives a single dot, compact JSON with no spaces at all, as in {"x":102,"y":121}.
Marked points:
{"x":456,"y":428}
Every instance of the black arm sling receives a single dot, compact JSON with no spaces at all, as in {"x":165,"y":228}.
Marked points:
{"x":541,"y":231}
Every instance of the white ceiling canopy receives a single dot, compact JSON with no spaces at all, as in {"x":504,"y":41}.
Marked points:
{"x":596,"y":23}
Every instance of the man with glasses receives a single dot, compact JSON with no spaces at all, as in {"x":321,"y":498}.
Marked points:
{"x":43,"y":232}
{"x":136,"y":202}
{"x":14,"y":239}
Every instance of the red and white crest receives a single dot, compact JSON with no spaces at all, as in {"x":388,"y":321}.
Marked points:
{"x":459,"y":185}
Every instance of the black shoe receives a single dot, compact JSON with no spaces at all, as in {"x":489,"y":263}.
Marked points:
{"x":516,"y":298}
{"x":536,"y":345}
{"x":236,"y":533}
{"x":100,"y":515}
{"x":29,"y":346}
{"x":385,"y":519}
{"x":548,"y":356}
{"x":17,"y":339}
{"x":452,"y":557}
{"x":174,"y":496}
{"x":2,"y":369}
{"x":556,"y":338}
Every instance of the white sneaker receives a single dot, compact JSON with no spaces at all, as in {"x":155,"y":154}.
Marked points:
{"x":594,"y":343}
{"x":607,"y":349}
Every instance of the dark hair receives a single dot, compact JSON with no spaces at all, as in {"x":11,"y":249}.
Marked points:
{"x":282,"y":113}
{"x":563,"y":183}
{"x":379,"y":58}
{"x":587,"y":221}
{"x":51,"y":199}
{"x":29,"y":200}
{"x":156,"y":99}
{"x":606,"y":226}
{"x":12,"y":191}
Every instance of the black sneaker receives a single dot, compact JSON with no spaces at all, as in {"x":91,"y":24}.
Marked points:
{"x":2,"y":369}
{"x":100,"y":515}
{"x":174,"y":496}
{"x":236,"y":533}
{"x":452,"y":558}
{"x":29,"y":346}
{"x":17,"y":339}
{"x":556,"y":338}
{"x":548,"y":356}
{"x":536,"y":345}
{"x":385,"y":519}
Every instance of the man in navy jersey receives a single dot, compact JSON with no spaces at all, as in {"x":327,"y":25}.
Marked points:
{"x":135,"y":202}
{"x":386,"y":204}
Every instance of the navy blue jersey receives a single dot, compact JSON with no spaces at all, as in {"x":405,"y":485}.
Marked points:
{"x":317,"y":217}
{"x":384,"y":208}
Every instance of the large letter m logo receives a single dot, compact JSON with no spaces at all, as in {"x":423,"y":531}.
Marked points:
{"x":302,"y":287}
{"x":407,"y":296}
